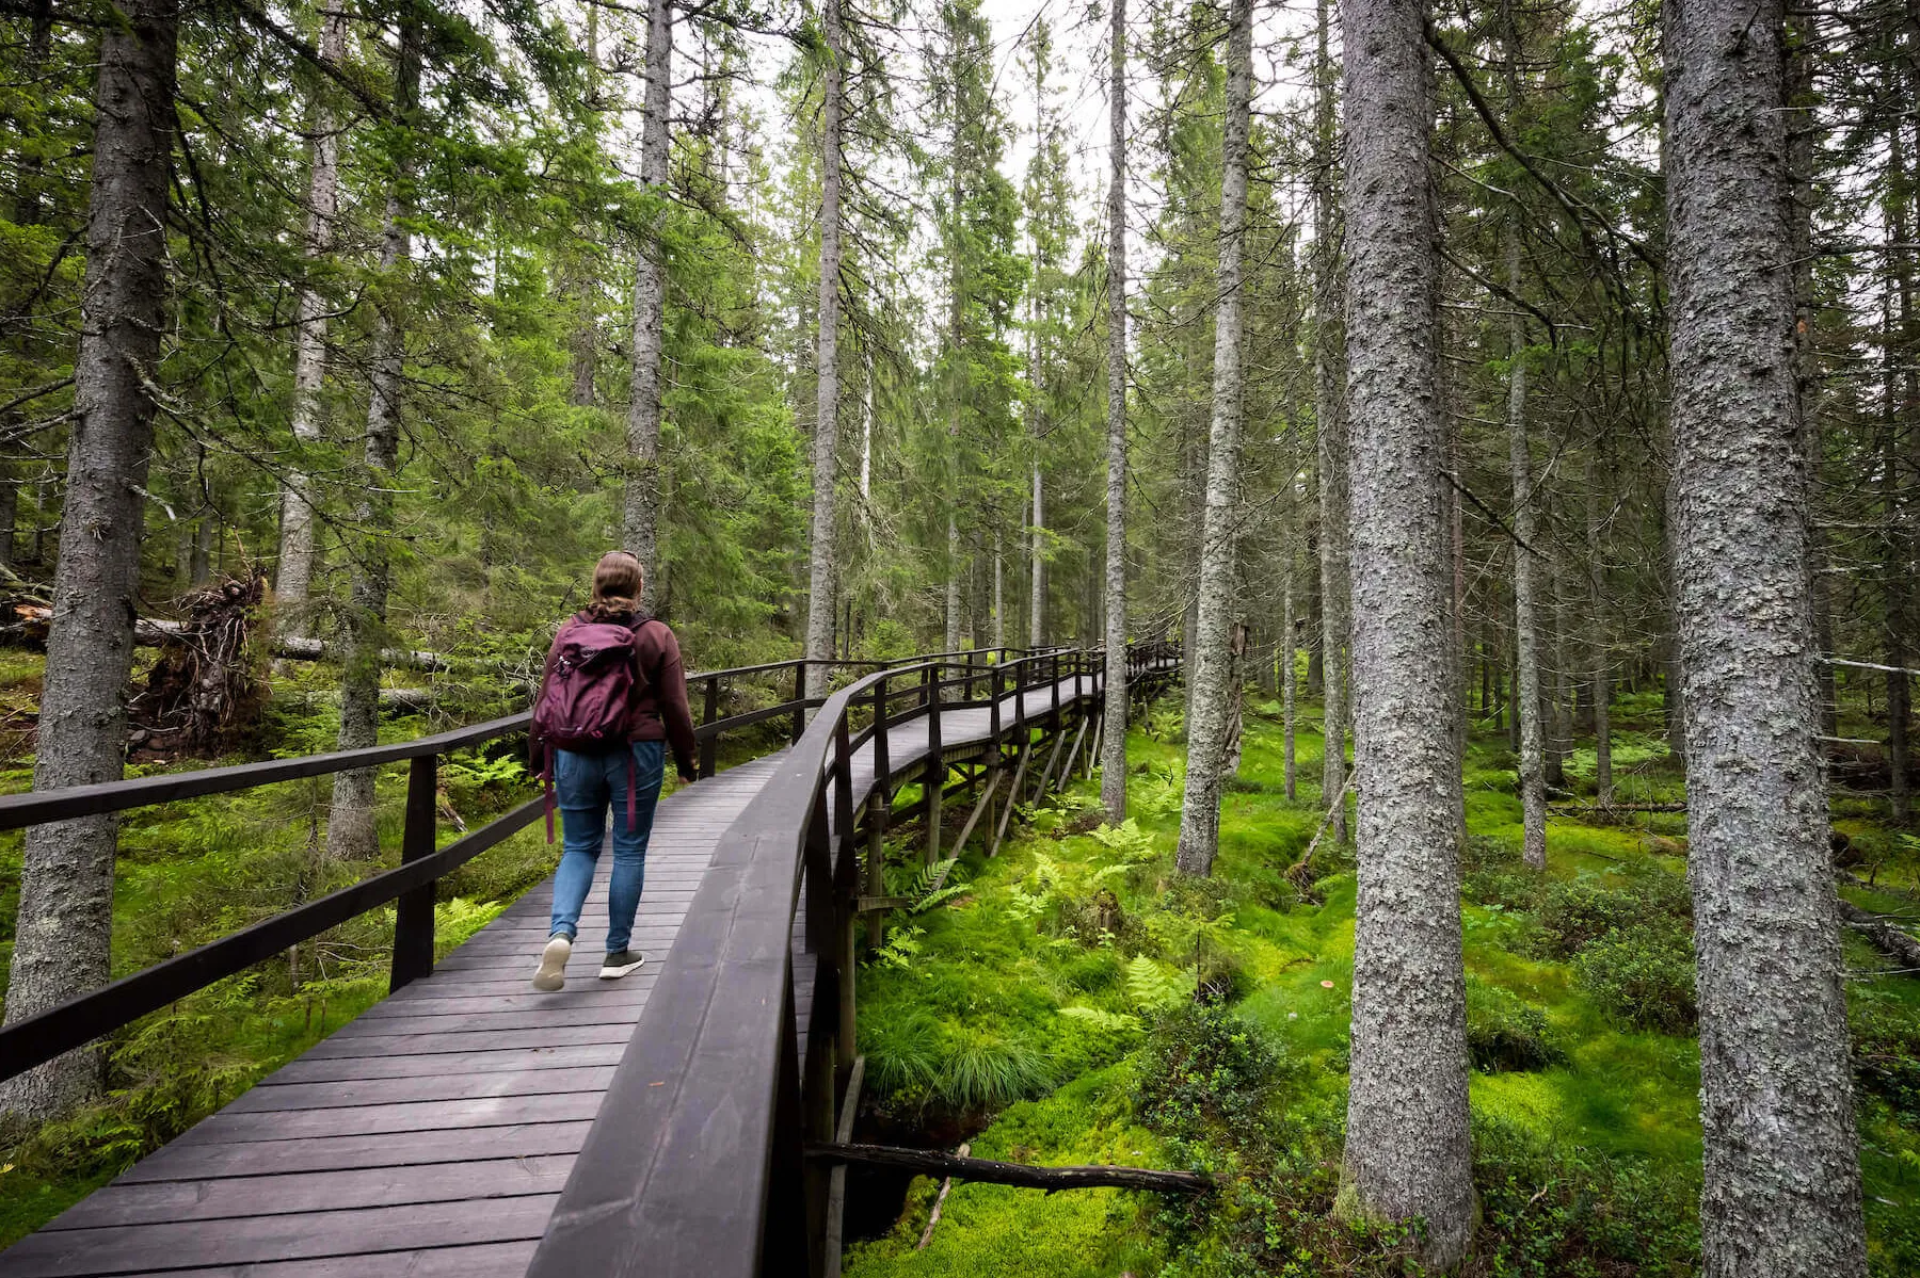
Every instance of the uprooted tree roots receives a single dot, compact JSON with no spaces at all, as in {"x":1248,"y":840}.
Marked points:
{"x":205,"y":691}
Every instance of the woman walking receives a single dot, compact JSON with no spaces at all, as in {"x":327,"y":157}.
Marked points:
{"x":613,"y":697}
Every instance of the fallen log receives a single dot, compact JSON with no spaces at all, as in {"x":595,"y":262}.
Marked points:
{"x":1601,"y":809}
{"x":1888,"y":939}
{"x":931,"y":1162}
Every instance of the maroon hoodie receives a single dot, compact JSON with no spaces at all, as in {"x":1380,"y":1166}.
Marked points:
{"x":662,"y":714}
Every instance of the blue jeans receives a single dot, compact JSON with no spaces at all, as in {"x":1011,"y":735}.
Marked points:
{"x":586,"y":785}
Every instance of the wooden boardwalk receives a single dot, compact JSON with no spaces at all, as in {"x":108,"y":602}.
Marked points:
{"x":432,"y":1134}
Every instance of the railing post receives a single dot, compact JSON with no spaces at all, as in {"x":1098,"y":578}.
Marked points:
{"x":710,"y":748}
{"x":934,"y":777}
{"x":799,"y":694}
{"x":413,"y":912}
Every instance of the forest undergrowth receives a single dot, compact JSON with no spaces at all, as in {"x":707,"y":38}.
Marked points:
{"x":1076,"y":1001}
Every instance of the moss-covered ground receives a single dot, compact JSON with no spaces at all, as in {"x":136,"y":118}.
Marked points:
{"x":1074,"y":1001}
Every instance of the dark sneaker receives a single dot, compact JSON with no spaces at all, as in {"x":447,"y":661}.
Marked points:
{"x":618,"y":965}
{"x":553,"y":963}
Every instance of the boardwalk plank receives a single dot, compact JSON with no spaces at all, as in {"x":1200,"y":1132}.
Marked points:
{"x":163,"y":1201}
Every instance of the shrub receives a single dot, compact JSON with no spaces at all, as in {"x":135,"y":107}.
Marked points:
{"x":1551,"y":1210}
{"x":1506,"y":1034}
{"x":1207,"y":1075}
{"x":1886,"y":1050}
{"x":1577,"y":913}
{"x":1642,"y":977}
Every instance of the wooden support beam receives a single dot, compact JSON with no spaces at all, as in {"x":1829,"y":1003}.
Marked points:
{"x":1066,"y":772}
{"x":931,"y":1162}
{"x":1013,"y":799}
{"x":837,"y":1184}
{"x":978,"y":808}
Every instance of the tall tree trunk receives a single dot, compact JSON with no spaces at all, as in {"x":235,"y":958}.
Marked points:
{"x":1533,"y":781}
{"x":640,"y":519}
{"x":1600,"y":667}
{"x":1330,"y":411}
{"x":1284,"y":666}
{"x":1897,"y":585}
{"x":294,"y":580}
{"x":1210,"y":720}
{"x":826,"y":430}
{"x":866,"y":439}
{"x":62,"y":945}
{"x":1782,"y":1171}
{"x":1113,"y":741}
{"x":1408,"y":1150}
{"x":999,"y":587}
{"x":352,"y":832}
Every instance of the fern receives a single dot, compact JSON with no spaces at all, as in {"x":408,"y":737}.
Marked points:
{"x":1153,"y":988}
{"x":1111,"y":1022}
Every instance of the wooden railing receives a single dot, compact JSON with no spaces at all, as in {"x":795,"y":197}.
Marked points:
{"x":75,"y":1023}
{"x":712,"y":1151}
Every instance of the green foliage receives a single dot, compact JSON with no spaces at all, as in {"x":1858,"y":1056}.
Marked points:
{"x":1206,"y":1075}
{"x":1506,"y":1033}
{"x":1642,"y":976}
{"x":1557,"y":1210}
{"x":1578,"y":912}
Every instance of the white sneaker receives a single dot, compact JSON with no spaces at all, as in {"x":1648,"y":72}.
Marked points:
{"x":553,"y":963}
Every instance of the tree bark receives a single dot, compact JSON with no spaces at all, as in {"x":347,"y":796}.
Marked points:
{"x":1209,"y":722}
{"x":1330,"y":412}
{"x":1533,"y":780}
{"x":352,"y":833}
{"x":65,"y":921}
{"x":1782,"y":1172}
{"x":826,"y":430}
{"x":1601,"y":665}
{"x":642,"y":506}
{"x":294,"y":580}
{"x":1113,"y":737}
{"x":1408,"y":1150}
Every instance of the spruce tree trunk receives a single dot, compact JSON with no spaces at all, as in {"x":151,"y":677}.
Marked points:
{"x":1897,"y":584}
{"x":1330,"y":412}
{"x":1533,"y":780}
{"x":1600,"y":667}
{"x":294,"y":579}
{"x":1408,"y":1150}
{"x":352,"y":832}
{"x":826,"y":430}
{"x":1113,"y":740}
{"x":999,"y":586}
{"x":1214,"y":694}
{"x":64,"y":925}
{"x":639,"y":525}
{"x":1782,"y":1172}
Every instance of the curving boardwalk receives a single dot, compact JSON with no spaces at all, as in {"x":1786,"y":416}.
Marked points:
{"x":433,"y":1134}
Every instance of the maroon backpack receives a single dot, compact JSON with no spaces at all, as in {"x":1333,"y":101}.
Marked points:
{"x":590,"y":702}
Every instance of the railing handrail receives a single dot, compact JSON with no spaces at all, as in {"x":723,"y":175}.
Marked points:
{"x":37,"y":807}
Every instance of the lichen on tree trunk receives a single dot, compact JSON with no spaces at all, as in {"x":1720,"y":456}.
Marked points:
{"x":641,"y":508}
{"x":1782,"y":1173}
{"x":1113,"y":739}
{"x":64,"y":926}
{"x":1408,"y":1150}
{"x":1210,"y":719}
{"x":826,"y":431}
{"x":352,"y":832}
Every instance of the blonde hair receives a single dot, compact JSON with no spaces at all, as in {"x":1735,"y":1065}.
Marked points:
{"x":617,"y":580}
